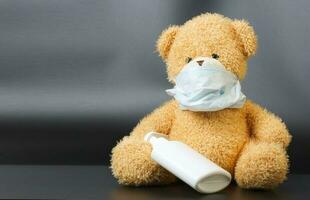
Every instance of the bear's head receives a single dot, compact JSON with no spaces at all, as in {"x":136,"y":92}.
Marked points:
{"x":231,"y":42}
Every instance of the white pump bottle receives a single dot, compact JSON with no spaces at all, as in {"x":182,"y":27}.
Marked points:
{"x":187,"y":164}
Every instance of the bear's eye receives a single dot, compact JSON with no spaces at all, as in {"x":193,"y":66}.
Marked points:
{"x":215,"y":56}
{"x":188,"y":59}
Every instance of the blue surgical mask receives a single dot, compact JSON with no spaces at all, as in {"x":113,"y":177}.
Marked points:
{"x":205,"y":85}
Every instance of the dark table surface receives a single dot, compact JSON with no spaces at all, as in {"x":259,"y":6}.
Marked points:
{"x":96,"y":182}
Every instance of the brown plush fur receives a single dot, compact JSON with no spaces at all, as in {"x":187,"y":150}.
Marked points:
{"x":249,"y":142}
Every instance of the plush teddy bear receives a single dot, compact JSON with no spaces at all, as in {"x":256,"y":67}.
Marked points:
{"x":247,"y":141}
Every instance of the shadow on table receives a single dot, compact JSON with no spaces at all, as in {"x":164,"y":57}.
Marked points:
{"x":182,"y":191}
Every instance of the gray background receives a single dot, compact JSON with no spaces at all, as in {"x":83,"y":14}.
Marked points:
{"x":76,"y":76}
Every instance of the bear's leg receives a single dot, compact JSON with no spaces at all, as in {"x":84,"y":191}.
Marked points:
{"x":132,"y":165}
{"x":261,"y":165}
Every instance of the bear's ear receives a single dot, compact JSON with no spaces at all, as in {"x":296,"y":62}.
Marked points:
{"x":165,"y":41}
{"x":246,"y":34}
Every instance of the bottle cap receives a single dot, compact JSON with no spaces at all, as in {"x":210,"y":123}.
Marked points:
{"x":153,"y":134}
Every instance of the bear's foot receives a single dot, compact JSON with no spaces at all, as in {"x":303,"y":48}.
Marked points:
{"x":261,"y":166}
{"x":132,"y":164}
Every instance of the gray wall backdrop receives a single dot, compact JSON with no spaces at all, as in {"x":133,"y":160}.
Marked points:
{"x":76,"y":76}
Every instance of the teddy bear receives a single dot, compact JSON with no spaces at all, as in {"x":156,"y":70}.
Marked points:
{"x":248,"y":141}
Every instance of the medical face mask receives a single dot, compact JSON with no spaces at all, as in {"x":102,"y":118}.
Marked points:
{"x":205,"y":85}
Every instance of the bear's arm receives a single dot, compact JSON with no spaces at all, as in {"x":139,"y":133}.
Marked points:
{"x":160,"y":120}
{"x":266,"y":126}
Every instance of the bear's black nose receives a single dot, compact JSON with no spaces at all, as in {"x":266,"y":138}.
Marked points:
{"x":200,"y":62}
